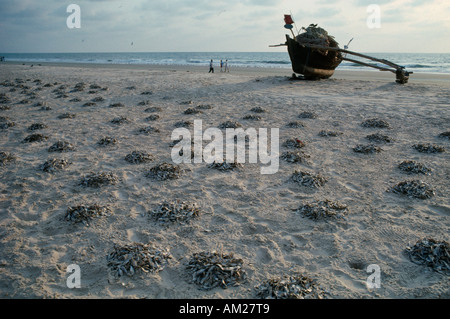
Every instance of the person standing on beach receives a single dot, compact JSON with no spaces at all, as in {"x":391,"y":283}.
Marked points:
{"x":221,"y":66}
{"x":226,"y":66}
{"x":211,"y":67}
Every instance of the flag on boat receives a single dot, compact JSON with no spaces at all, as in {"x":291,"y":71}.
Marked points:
{"x":288,"y":19}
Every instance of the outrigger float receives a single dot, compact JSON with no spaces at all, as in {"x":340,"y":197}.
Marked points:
{"x":315,"y":54}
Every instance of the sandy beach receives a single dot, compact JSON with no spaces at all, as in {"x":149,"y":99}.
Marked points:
{"x":258,"y":218}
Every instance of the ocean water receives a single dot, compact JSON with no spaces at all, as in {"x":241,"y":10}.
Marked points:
{"x":414,"y":62}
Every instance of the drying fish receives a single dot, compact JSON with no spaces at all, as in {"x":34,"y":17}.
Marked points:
{"x":252,"y":117}
{"x":258,"y":109}
{"x":54,"y":164}
{"x":375,"y":123}
{"x":295,"y":124}
{"x":322,"y":210}
{"x":153,"y":109}
{"x":175,"y":212}
{"x":294,"y":143}
{"x":429,"y":148}
{"x":192,"y":111}
{"x":324,"y":133}
{"x":99,"y":179}
{"x":164,"y":171}
{"x":128,"y":259}
{"x":308,"y":115}
{"x":225,"y":166}
{"x":414,"y":167}
{"x":37,"y":126}
{"x":120,"y":120}
{"x":138,"y":157}
{"x":212,"y":269}
{"x":290,"y":287}
{"x":107,"y":141}
{"x":61,"y":146}
{"x":445,"y":135}
{"x":431,"y":253}
{"x":414,"y":189}
{"x":294,"y":157}
{"x":230,"y":124}
{"x":67,"y":116}
{"x":147,"y":130}
{"x":84,"y":214}
{"x":308,"y":179}
{"x":379,"y":138}
{"x":367,"y":149}
{"x":35,"y":138}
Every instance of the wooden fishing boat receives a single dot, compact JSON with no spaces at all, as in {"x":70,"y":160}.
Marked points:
{"x":317,"y":58}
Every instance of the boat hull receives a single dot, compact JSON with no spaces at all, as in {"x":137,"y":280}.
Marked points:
{"x":310,"y":63}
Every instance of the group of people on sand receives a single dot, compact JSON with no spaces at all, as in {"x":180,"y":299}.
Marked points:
{"x":223,"y":66}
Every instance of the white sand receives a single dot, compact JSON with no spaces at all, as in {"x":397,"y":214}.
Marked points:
{"x":243,"y":211}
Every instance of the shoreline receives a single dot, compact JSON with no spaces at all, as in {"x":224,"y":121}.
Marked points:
{"x":366,"y":75}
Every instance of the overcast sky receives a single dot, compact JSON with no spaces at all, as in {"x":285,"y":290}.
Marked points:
{"x":218,"y":25}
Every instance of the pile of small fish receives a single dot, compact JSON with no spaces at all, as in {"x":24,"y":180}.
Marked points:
{"x":153,"y":109}
{"x":230,"y":124}
{"x":429,"y":148}
{"x":295,"y":124}
{"x":99,"y":179}
{"x":164,"y":171}
{"x":258,"y":109}
{"x":183,"y":124}
{"x":376,"y":123}
{"x":120,"y":120}
{"x":213,"y":269}
{"x":107,"y":140}
{"x":308,"y":179}
{"x":324,"y":133}
{"x":35,"y":138}
{"x":294,"y":157}
{"x":84,"y":214}
{"x":54,"y":164}
{"x":308,"y":115}
{"x":431,"y":253}
{"x":148,"y":130}
{"x":225,"y":166}
{"x":152,"y":117}
{"x":127,"y":259}
{"x":379,"y":138}
{"x":414,"y":189}
{"x":178,"y":211}
{"x":204,"y":107}
{"x":290,"y":287}
{"x":138,"y":157}
{"x":6,"y":157}
{"x":252,"y":117}
{"x":322,"y":210}
{"x":67,"y":116}
{"x":117,"y":105}
{"x":294,"y":143}
{"x":61,"y":146}
{"x":37,"y":126}
{"x":367,"y":149}
{"x":192,"y":110}
{"x":414,"y":167}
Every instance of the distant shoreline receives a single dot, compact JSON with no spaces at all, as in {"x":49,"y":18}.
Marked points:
{"x":366,"y":74}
